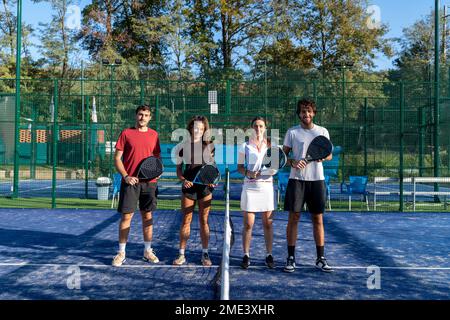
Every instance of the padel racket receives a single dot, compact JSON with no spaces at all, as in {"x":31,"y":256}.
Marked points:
{"x":274,"y":159}
{"x":208,"y":174}
{"x":150,"y":168}
{"x":319,"y":148}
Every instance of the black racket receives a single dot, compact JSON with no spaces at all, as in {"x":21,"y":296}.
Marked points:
{"x":208,"y":174}
{"x":319,"y":148}
{"x":274,"y":159}
{"x":150,"y":168}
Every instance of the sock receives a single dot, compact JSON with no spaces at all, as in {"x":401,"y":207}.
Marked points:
{"x":268,"y":254}
{"x":320,"y":251}
{"x":182,"y":252}
{"x":148,"y":245}
{"x":122,"y":247}
{"x":205,"y":250}
{"x":291,"y":251}
{"x":247,"y":254}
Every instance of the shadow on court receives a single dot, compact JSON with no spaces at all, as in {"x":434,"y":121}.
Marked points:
{"x":66,"y":254}
{"x":410,"y":249}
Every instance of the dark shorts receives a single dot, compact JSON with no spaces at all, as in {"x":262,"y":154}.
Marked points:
{"x":299,"y":192}
{"x":197,"y":191}
{"x":144,"y":192}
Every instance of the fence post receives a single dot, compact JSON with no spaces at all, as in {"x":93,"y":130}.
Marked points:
{"x":228,"y":98}
{"x":402,"y":119}
{"x":55,"y":141}
{"x":111,"y":123}
{"x":33,"y":143}
{"x":157,"y":113}
{"x":421,"y":139}
{"x":343,"y":124}
{"x":87,"y":157}
{"x":365,"y":136}
{"x":436,"y":113}
{"x":17,"y":115}
{"x":315,"y":91}
{"x":141,"y":92}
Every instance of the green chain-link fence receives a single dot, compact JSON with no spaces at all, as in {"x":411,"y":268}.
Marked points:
{"x":382,"y":129}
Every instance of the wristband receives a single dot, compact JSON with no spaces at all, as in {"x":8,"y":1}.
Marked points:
{"x":124,"y":178}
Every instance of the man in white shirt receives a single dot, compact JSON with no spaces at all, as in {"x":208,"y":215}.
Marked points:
{"x":306,"y":183}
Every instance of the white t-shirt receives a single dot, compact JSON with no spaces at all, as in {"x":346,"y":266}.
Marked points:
{"x":298,"y":139}
{"x":253,"y":160}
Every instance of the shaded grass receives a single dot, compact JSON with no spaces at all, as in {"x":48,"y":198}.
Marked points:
{"x":67,"y":203}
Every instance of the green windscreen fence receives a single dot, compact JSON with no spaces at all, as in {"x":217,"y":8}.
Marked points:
{"x":383,"y":133}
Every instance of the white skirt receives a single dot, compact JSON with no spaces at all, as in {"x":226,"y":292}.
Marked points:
{"x":257,"y":197}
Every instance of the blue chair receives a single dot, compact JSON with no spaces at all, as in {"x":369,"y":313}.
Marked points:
{"x":356,"y":185}
{"x":283,"y":179}
{"x":117,"y":179}
{"x":331,"y":167}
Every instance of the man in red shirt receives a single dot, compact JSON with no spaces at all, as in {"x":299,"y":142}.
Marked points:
{"x":134,"y":145}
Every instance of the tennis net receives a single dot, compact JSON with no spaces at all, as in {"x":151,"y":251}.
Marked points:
{"x":222,"y":277}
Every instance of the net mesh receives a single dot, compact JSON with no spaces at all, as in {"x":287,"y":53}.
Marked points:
{"x":221,"y":281}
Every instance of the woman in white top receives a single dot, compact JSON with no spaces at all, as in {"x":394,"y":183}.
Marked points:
{"x":257,"y":192}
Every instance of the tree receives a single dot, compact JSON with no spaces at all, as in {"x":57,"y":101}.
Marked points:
{"x":180,"y":50}
{"x":336,"y":30}
{"x":416,"y":56}
{"x":240,"y":23}
{"x":97,"y":30}
{"x":140,"y":32}
{"x":58,"y":41}
{"x":283,"y":57}
{"x":8,"y":31}
{"x":201,"y":19}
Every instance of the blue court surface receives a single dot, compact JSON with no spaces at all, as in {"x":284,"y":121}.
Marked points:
{"x":66,"y":255}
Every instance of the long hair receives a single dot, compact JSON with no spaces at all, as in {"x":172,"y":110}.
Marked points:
{"x":206,"y":133}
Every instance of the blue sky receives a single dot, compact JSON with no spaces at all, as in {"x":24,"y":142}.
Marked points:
{"x":398,"y":14}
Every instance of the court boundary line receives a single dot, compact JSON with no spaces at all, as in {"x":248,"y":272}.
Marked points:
{"x":24,"y":264}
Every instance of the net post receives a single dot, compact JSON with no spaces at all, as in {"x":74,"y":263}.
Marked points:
{"x":225,"y":266}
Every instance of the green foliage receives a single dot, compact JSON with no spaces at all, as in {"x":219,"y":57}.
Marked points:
{"x":337,"y":31}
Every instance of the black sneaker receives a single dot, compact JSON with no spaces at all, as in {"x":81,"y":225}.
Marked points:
{"x":290,"y":264}
{"x":321,"y":263}
{"x":269,"y":262}
{"x":245,"y":262}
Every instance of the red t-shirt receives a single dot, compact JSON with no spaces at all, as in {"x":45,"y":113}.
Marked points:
{"x":136,"y":146}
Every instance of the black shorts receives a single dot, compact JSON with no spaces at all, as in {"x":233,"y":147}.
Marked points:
{"x":312,"y":192}
{"x":197,"y":191}
{"x":144,"y":192}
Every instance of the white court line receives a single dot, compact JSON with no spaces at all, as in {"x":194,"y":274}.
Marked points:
{"x":355,"y":267}
{"x":20,"y":264}
{"x":63,"y":186}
